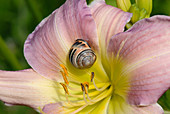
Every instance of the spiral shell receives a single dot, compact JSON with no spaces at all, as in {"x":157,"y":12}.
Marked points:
{"x":81,"y":55}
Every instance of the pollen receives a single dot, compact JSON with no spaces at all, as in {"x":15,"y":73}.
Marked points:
{"x":65,"y":88}
{"x":65,"y":69}
{"x":84,"y":87}
{"x":86,"y":84}
{"x":64,"y":77}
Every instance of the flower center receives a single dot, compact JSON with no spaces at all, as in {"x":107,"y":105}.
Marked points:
{"x":85,"y":93}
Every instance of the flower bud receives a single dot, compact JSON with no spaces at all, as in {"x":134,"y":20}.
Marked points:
{"x":146,"y":4}
{"x":123,"y":4}
{"x":143,"y":14}
{"x":136,"y":13}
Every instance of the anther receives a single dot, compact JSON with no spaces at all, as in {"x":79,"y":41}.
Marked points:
{"x":84,"y":87}
{"x":65,"y":88}
{"x":92,"y":76}
{"x":64,"y":77}
{"x":65,"y":69}
{"x":92,"y":80}
{"x":86,"y":84}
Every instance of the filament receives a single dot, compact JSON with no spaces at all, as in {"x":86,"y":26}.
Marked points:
{"x":74,"y":89}
{"x":92,"y":80}
{"x":85,"y":87}
{"x":84,"y":97}
{"x":89,"y":97}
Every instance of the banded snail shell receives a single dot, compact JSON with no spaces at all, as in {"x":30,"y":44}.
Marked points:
{"x":81,"y":55}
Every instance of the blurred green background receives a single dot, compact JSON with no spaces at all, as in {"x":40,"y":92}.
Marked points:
{"x":18,"y":18}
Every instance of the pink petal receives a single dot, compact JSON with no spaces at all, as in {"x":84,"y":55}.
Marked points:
{"x":53,"y":108}
{"x":146,"y":48}
{"x":109,"y":20}
{"x":26,"y":87}
{"x":57,"y":108}
{"x":49,"y":44}
{"x":151,"y":109}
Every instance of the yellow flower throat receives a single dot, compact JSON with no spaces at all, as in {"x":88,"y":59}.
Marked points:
{"x":91,"y":93}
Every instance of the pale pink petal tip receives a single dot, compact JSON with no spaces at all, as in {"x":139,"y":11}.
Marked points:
{"x":146,"y":48}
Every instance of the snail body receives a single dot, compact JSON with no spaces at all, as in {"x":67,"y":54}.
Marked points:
{"x":81,"y":55}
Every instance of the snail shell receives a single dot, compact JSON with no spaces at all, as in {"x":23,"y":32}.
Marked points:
{"x":81,"y":55}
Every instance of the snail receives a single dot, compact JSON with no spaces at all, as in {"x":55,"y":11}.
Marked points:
{"x":81,"y":55}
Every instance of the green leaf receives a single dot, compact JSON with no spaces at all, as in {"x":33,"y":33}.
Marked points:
{"x":8,"y":55}
{"x":164,"y":101}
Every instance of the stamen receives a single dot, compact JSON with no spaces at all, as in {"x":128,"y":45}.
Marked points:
{"x":86,"y":84}
{"x":92,"y":80}
{"x":65,"y":69}
{"x":65,"y":88}
{"x":64,"y":77}
{"x":84,"y":87}
{"x":84,"y":92}
{"x":65,"y":74}
{"x":85,"y":97}
{"x":92,"y":76}
{"x":66,"y":94}
{"x":74,"y":89}
{"x":89,"y":97}
{"x":77,"y":95}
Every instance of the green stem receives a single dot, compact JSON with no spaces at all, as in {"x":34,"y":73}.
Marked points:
{"x":8,"y":55}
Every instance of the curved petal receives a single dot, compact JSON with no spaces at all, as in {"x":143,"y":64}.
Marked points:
{"x":109,"y":20}
{"x":146,"y":49}
{"x":26,"y":87}
{"x":49,"y":44}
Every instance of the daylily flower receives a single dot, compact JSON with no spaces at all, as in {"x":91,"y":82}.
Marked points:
{"x":131,"y":71}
